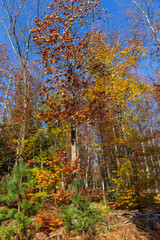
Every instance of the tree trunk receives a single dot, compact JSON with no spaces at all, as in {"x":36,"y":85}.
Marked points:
{"x":24,"y":116}
{"x":153,"y":143}
{"x":144,"y":152}
{"x":116,"y":148}
{"x":6,"y":102}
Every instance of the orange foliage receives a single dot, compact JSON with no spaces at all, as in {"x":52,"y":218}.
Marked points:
{"x":63,"y":196}
{"x":96,"y":194}
{"x":48,"y":219}
{"x":59,"y":166}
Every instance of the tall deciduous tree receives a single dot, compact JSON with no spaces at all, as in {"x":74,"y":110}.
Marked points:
{"x":17,"y":21}
{"x":63,"y":37}
{"x":114,"y":99}
{"x":5,"y":82}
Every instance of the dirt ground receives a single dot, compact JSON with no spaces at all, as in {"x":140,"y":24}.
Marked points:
{"x":130,"y":232}
{"x":117,"y":225}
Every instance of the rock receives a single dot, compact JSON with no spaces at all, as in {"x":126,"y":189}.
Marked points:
{"x":148,"y":222}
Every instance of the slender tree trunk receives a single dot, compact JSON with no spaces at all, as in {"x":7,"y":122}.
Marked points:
{"x":153,"y":143}
{"x":106,"y":174}
{"x":73,"y":123}
{"x":123,"y":136}
{"x":24,"y":116}
{"x":6,"y":102}
{"x":155,"y":172}
{"x":94,"y":174}
{"x":87,"y":169}
{"x":116,"y":148}
{"x":73,"y":142}
{"x":103,"y":190}
{"x":144,"y":152}
{"x":151,"y":157}
{"x":62,"y":180}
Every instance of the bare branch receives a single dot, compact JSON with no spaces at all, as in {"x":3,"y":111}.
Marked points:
{"x":147,"y":17}
{"x":10,"y":39}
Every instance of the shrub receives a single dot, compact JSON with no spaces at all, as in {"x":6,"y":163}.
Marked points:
{"x":134,"y":189}
{"x":17,"y":209}
{"x":80,"y":216}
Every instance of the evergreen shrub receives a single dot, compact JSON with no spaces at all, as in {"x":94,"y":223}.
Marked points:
{"x":81,"y":216}
{"x":17,"y":207}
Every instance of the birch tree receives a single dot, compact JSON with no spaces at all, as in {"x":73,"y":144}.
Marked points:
{"x":144,"y":15}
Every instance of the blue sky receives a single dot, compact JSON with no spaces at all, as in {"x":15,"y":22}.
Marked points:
{"x":115,"y":10}
{"x":111,"y":5}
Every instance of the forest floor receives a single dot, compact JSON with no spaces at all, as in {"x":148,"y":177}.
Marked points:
{"x":117,"y":225}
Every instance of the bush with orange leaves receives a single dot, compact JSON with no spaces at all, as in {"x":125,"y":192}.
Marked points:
{"x":63,"y":196}
{"x":48,"y":219}
{"x":57,"y":171}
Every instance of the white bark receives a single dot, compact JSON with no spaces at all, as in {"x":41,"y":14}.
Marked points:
{"x":116,"y":147}
{"x":6,"y":100}
{"x":144,"y":152}
{"x":148,"y":20}
{"x":153,"y":142}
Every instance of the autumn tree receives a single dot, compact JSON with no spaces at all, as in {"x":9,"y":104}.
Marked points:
{"x":17,"y":28}
{"x":63,"y":37}
{"x":6,"y":90}
{"x":5,"y":82}
{"x":109,"y":96}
